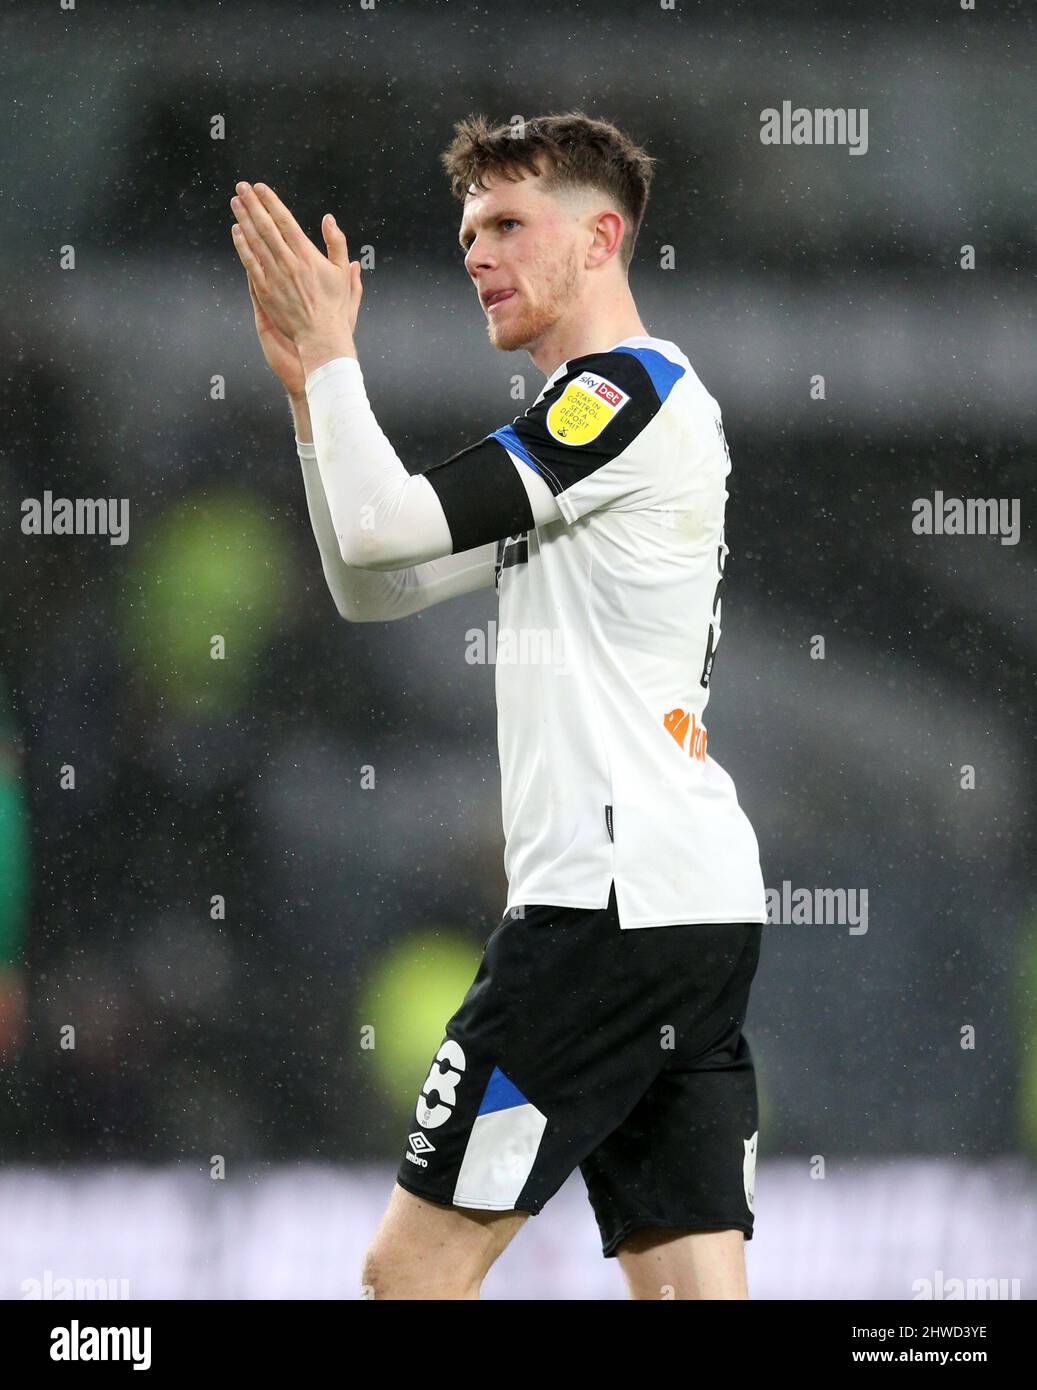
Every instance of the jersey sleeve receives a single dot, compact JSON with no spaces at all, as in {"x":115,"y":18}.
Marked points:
{"x":587,"y":440}
{"x":589,"y":436}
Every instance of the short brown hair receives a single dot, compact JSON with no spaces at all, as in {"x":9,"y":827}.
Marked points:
{"x":575,"y":151}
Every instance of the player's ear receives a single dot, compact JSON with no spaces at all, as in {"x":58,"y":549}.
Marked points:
{"x":606,"y":236}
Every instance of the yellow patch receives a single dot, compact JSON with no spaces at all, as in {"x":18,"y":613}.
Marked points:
{"x":584,"y":408}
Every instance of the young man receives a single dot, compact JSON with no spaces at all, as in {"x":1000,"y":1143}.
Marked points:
{"x":604,"y":1027}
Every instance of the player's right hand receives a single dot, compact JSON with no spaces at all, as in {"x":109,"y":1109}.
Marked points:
{"x":280,"y":352}
{"x":282,"y":356}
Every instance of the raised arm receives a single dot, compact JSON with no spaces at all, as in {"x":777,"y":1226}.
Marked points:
{"x":385,"y":518}
{"x":375,"y":595}
{"x":382,"y":518}
{"x":364,"y":596}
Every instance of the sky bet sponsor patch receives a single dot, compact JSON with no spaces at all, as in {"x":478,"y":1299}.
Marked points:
{"x":584,"y":408}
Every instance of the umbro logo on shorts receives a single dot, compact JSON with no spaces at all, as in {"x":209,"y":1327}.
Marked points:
{"x":419,"y":1145}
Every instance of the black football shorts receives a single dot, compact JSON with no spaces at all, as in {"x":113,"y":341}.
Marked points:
{"x":620,"y":1052}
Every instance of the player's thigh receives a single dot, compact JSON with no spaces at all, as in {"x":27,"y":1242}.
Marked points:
{"x":424,"y":1248}
{"x":679,"y":1264}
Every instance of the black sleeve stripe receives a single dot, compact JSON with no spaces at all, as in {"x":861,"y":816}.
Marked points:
{"x":482,"y":495}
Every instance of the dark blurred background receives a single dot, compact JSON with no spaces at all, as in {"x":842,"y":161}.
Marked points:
{"x":349,"y":907}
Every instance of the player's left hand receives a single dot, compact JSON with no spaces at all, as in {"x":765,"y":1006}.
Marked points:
{"x":309,"y":296}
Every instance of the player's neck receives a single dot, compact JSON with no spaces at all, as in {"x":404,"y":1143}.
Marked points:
{"x":591,"y":328}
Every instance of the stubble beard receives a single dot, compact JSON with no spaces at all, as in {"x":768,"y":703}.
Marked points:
{"x":527,"y":328}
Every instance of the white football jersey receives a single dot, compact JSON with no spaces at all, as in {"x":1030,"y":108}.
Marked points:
{"x":607,"y":628}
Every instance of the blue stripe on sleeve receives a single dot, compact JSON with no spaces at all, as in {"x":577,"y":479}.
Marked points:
{"x":664,"y":373}
{"x":507,"y":436}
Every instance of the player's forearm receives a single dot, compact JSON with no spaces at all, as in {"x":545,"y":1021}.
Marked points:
{"x":363,"y":596}
{"x":383,"y":517}
{"x":359,"y":596}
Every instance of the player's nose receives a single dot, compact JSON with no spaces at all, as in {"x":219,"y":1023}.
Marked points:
{"x":478,"y":259}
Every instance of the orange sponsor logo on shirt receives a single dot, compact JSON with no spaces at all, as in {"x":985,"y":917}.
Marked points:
{"x":680,"y":725}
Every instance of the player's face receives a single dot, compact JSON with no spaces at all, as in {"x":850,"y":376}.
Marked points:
{"x":521,"y":252}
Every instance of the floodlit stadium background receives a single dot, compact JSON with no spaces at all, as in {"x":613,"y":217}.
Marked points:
{"x":349,"y":907}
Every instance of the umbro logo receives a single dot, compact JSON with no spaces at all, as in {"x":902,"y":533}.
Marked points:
{"x":419,"y":1145}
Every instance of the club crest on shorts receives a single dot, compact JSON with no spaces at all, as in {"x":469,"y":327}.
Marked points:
{"x":444,"y":1076}
{"x":584,"y":408}
{"x":749,"y":1168}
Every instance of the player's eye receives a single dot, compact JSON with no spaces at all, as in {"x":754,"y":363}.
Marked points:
{"x":502,"y":222}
